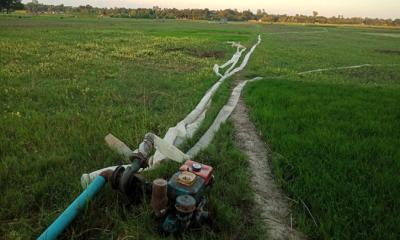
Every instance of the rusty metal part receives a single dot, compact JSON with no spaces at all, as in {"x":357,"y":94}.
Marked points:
{"x":147,"y":146}
{"x":130,"y":183}
{"x":185,"y":204}
{"x":159,"y":199}
{"x":142,"y":161}
{"x":107,"y":174}
{"x":116,"y":176}
{"x":133,"y":186}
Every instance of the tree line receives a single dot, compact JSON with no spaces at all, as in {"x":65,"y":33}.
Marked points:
{"x":35,"y":7}
{"x":10,"y":5}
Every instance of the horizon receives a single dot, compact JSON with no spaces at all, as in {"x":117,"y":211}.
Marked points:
{"x":370,"y":8}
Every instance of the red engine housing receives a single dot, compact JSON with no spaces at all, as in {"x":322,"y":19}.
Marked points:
{"x":205,"y":172}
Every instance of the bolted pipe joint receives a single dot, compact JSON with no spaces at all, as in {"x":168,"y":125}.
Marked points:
{"x":129,"y":183}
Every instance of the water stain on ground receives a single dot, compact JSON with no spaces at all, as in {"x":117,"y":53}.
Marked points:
{"x":200,"y":53}
{"x":388,"y":51}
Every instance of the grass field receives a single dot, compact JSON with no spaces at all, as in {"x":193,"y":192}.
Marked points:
{"x":334,"y":134}
{"x":67,"y":82}
{"x":336,"y":149}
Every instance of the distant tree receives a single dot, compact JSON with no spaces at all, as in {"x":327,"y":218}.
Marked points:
{"x":9,"y":5}
{"x":33,"y":6}
{"x":59,"y":8}
{"x":247,"y":15}
{"x":157,"y":11}
{"x":260,"y":13}
{"x":315,"y":15}
{"x":197,"y":14}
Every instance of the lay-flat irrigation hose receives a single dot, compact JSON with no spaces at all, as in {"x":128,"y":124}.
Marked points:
{"x":65,"y":219}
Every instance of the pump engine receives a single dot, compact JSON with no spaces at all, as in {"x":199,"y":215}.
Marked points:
{"x":186,"y":197}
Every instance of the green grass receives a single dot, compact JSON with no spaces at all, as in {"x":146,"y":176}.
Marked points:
{"x":336,"y":149}
{"x":66,"y":83}
{"x":334,"y":135}
{"x":283,"y":52}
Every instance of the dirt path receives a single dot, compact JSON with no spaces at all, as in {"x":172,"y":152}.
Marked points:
{"x":271,"y":201}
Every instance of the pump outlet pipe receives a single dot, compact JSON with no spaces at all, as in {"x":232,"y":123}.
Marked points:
{"x":65,"y":219}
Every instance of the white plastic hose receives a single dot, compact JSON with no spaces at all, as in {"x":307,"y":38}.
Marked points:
{"x":179,"y":133}
{"x":169,"y":150}
{"x":188,"y":126}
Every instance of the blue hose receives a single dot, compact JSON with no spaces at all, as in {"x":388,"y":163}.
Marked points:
{"x":65,"y":219}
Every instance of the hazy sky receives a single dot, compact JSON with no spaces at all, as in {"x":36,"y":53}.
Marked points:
{"x":348,"y":8}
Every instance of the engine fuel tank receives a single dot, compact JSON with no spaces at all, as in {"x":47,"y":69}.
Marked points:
{"x":201,"y":170}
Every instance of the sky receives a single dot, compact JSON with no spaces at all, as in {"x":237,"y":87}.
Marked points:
{"x":328,"y":8}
